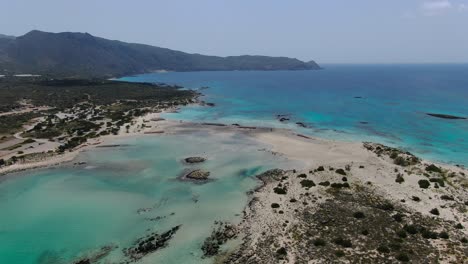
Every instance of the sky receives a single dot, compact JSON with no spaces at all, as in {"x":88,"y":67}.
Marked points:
{"x":327,"y":31}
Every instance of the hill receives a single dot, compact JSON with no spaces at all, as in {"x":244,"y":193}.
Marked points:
{"x":83,"y":55}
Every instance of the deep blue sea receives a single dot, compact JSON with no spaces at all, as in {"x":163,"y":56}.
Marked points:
{"x":380,"y":103}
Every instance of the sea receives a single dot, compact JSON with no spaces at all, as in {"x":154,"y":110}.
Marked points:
{"x":113,"y":196}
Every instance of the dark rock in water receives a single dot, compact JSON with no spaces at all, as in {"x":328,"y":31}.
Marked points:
{"x":96,"y":256}
{"x":364,"y":122}
{"x":149,"y":244}
{"x":358,"y":97}
{"x":210,"y":104}
{"x":198,"y":175}
{"x":283,"y":119}
{"x":301,"y":124}
{"x":235,"y":124}
{"x":445,"y":116}
{"x":213,"y":124}
{"x":194,"y":159}
{"x":219,"y":236}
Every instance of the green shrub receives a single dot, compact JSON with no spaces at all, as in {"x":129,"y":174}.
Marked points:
{"x":343,"y":242}
{"x":320,"y":168}
{"x":402,"y":257}
{"x":444,"y":235}
{"x":398,"y":217}
{"x":358,"y":215}
{"x":433,"y":168}
{"x":424,"y":184}
{"x":383,"y":249}
{"x":307,"y":183}
{"x":399,"y":178}
{"x":279,"y":190}
{"x":281,"y":252}
{"x":325,"y":183}
{"x":400,"y":161}
{"x":302,"y":175}
{"x":319,"y":242}
{"x":275,"y":205}
{"x":435,"y":211}
{"x":340,"y":171}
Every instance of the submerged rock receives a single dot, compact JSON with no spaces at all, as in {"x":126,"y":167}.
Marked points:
{"x":198,"y":175}
{"x":219,"y":236}
{"x":149,"y":244}
{"x":194,"y":159}
{"x":445,"y":116}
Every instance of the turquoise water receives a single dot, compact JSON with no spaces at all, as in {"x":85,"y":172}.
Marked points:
{"x":392,"y":110}
{"x":55,"y":215}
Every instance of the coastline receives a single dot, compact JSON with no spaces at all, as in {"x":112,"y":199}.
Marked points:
{"x":367,"y":170}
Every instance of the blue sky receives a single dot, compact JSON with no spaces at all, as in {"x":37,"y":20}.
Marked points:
{"x":328,"y":31}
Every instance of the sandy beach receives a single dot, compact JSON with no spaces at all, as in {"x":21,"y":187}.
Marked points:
{"x":323,"y":163}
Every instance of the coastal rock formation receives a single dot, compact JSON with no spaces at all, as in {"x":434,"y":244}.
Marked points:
{"x":445,"y":116}
{"x":149,"y":244}
{"x":192,"y":160}
{"x":358,"y":218}
{"x":220,"y":235}
{"x":198,"y":175}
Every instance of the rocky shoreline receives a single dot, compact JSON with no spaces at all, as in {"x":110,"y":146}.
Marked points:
{"x":330,"y":214}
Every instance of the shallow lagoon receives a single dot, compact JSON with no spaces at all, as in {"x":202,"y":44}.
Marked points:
{"x":55,"y":215}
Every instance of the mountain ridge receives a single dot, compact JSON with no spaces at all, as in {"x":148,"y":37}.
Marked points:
{"x":71,"y":54}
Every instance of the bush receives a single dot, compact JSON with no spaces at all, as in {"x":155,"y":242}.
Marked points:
{"x":281,"y":252}
{"x":275,"y":205}
{"x":339,"y":253}
{"x":433,"y":168}
{"x":459,"y":226}
{"x":444,"y":235}
{"x":344,"y":179}
{"x":399,"y":178}
{"x":293,"y":200}
{"x":386,"y":206}
{"x":435,"y":211}
{"x":320,"y":168}
{"x":358,"y":215}
{"x":318,"y":242}
{"x":279,"y":190}
{"x":400,"y":161}
{"x":424,"y":184}
{"x":340,"y":171}
{"x":307,"y":183}
{"x":398,"y":217}
{"x":383,"y":249}
{"x":302,"y":175}
{"x":411,"y":229}
{"x":402,"y":257}
{"x":325,"y":183}
{"x":401,"y":233}
{"x":343,"y":242}
{"x":447,"y":198}
{"x":416,"y":199}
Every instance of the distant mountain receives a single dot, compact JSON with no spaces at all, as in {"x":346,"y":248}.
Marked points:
{"x":6,"y":37}
{"x":83,"y":55}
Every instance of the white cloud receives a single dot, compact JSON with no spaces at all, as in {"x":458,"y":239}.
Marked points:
{"x":436,"y":7}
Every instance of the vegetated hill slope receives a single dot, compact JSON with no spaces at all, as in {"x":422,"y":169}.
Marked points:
{"x":83,"y":55}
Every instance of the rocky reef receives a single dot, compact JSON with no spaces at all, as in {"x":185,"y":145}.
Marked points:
{"x":149,"y":244}
{"x":220,"y":235}
{"x":198,"y":175}
{"x":192,"y":160}
{"x":444,"y":116}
